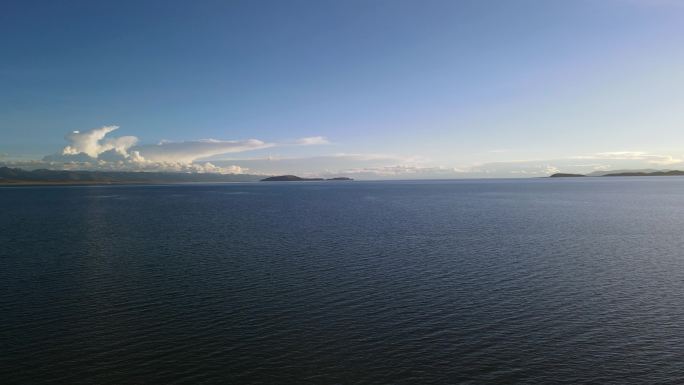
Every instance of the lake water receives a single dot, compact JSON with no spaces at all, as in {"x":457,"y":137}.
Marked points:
{"x":486,"y":281}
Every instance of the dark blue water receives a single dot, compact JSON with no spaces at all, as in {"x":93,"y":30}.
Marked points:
{"x":498,"y":281}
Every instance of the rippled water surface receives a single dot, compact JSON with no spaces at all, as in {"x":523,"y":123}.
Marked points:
{"x":495,"y":281}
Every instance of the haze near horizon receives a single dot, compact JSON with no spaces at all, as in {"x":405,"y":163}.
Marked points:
{"x":365,"y":89}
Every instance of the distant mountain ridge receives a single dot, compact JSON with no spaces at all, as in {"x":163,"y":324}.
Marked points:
{"x":606,"y":172}
{"x":42,"y":176}
{"x":655,"y":173}
{"x":623,"y":173}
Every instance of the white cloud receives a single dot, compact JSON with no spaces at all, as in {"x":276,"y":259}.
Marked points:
{"x":187,"y":152}
{"x":518,"y":168}
{"x":324,"y":165}
{"x":67,"y":158}
{"x":666,"y":161}
{"x":405,"y":171}
{"x":312,"y":140}
{"x":383,"y":166}
{"x":542,"y":170}
{"x":95,"y":144}
{"x":92,"y":142}
{"x":93,"y":149}
{"x":633,"y":155}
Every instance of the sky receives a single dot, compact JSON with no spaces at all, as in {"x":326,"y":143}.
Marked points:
{"x":370,"y":89}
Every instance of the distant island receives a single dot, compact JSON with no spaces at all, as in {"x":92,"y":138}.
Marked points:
{"x":656,"y":173}
{"x":294,"y":178}
{"x":17,"y":176}
{"x":563,"y":175}
{"x":623,"y":173}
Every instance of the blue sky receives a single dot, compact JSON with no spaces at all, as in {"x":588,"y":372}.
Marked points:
{"x":386,"y":88}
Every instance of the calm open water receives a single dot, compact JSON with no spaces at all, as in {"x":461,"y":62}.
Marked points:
{"x":489,"y":281}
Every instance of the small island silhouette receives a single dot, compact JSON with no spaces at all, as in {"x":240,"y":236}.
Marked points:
{"x":564,"y":175}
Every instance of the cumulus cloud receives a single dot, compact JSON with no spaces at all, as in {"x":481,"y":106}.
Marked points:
{"x":93,"y":143}
{"x":96,"y":149}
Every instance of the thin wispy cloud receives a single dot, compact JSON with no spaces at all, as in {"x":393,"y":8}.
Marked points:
{"x":634,"y":155}
{"x":189,"y":151}
{"x":312,"y":140}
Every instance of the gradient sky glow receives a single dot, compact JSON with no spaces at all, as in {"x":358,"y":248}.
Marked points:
{"x":381,"y":89}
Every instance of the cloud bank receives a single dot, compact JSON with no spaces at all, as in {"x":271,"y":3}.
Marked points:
{"x":95,"y":149}
{"x":384,"y":166}
{"x":98,"y":149}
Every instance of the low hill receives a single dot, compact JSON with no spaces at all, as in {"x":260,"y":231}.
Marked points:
{"x":623,"y":173}
{"x":606,"y":172}
{"x":562,"y":175}
{"x":655,"y":173}
{"x":42,"y":176}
